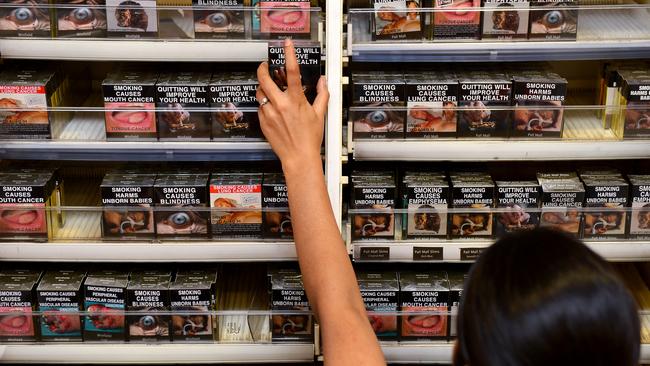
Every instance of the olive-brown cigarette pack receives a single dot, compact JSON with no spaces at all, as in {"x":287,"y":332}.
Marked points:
{"x":380,"y":293}
{"x":376,"y":196}
{"x":515,"y":198}
{"x":381,"y":97}
{"x":473,"y":199}
{"x":431,"y":102}
{"x":563,"y":197}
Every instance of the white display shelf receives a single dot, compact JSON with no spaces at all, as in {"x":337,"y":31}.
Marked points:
{"x":418,"y":353}
{"x":442,"y":353}
{"x":602,"y":34}
{"x":452,"y":250}
{"x":134,"y":50}
{"x":156,"y":353}
{"x":584,"y":139}
{"x":140,"y":150}
{"x":477,"y":150}
{"x":189,"y":251}
{"x":79,"y":240}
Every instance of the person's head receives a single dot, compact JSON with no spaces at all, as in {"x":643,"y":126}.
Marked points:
{"x":543,"y":298}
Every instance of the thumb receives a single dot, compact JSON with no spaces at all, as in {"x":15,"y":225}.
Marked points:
{"x":323,"y":96}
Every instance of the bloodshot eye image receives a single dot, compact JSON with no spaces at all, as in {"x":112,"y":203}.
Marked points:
{"x":379,"y":120}
{"x":554,"y":21}
{"x":83,"y":17}
{"x":26,"y":16}
{"x":222,"y":21}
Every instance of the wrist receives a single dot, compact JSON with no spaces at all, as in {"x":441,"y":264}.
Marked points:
{"x":299,"y":165}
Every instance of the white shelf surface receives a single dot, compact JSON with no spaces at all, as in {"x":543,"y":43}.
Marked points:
{"x":477,"y":150}
{"x":189,"y":251}
{"x":614,"y":33}
{"x":156,"y":353}
{"x":442,"y":352}
{"x":134,"y":50}
{"x":584,"y":139}
{"x":451,"y":250}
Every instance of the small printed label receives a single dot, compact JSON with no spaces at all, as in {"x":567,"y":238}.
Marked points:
{"x":374,"y":253}
{"x":470,"y":254}
{"x":427,"y":253}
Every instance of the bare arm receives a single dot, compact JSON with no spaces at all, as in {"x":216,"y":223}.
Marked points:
{"x":294,"y":128}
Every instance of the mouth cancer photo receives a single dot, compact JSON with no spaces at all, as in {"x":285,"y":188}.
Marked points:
{"x":456,"y":15}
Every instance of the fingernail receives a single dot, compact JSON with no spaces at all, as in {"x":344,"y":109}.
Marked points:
{"x":288,"y":42}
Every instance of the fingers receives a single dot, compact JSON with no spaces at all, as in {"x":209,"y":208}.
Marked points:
{"x":293,"y":69}
{"x":267,"y":84}
{"x":322,"y":98}
{"x":259,"y":95}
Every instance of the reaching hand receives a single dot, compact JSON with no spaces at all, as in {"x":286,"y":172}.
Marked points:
{"x":293,"y":127}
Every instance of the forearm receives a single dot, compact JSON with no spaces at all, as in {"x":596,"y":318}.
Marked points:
{"x":324,"y":262}
{"x":327,"y":273}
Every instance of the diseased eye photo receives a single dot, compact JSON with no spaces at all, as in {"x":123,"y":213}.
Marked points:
{"x":381,"y":120}
{"x":554,"y":21}
{"x":220,"y":21}
{"x":89,"y":15}
{"x":27,"y":16}
{"x":149,"y":325}
{"x":181,"y":222}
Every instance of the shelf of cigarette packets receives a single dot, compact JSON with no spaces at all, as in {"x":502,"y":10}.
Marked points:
{"x":540,"y":32}
{"x":166,"y":33}
{"x":196,"y":314}
{"x":269,"y":325}
{"x":80,"y":134}
{"x":402,"y":235}
{"x":162,"y":233}
{"x":578,"y":133}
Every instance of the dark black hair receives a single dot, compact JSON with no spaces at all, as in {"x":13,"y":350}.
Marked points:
{"x":541,"y":297}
